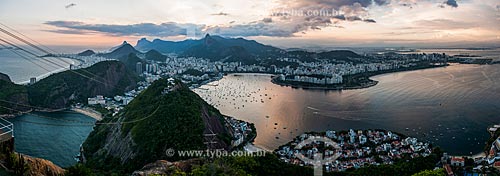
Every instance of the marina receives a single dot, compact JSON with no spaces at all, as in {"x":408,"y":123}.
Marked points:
{"x":412,"y":103}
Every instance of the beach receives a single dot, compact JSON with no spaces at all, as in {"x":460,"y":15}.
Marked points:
{"x":88,"y":112}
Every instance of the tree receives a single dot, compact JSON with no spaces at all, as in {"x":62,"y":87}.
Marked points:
{"x":78,"y":170}
{"x":17,"y":164}
{"x":437,"y":172}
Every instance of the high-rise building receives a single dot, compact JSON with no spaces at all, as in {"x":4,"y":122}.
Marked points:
{"x":138,"y":68}
{"x":148,"y":68}
{"x":32,"y":80}
{"x":273,"y":69}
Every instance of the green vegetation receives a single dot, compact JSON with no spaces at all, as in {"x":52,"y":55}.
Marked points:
{"x":61,"y":89}
{"x":108,"y":78}
{"x":17,"y":164}
{"x":193,"y":72}
{"x":404,"y":167}
{"x":156,"y":122}
{"x":245,"y":165}
{"x":155,"y":55}
{"x":11,"y":92}
{"x":437,"y":172}
{"x":271,"y":165}
{"x":174,"y":121}
{"x":78,"y":170}
{"x":4,"y":172}
{"x":131,"y":60}
{"x":8,"y":89}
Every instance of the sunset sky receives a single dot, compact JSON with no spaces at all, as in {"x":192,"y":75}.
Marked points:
{"x":284,"y":23}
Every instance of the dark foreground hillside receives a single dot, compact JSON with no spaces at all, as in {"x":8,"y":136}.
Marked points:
{"x":165,"y":116}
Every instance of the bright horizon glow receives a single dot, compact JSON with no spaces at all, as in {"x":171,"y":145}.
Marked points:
{"x":409,"y":23}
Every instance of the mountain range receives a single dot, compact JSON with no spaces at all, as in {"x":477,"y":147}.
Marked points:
{"x":217,"y":48}
{"x":120,"y":51}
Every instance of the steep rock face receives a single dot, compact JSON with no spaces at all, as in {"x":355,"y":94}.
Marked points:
{"x":13,"y":97}
{"x":119,"y":146}
{"x":38,"y":167}
{"x":164,"y":116}
{"x":57,"y":91}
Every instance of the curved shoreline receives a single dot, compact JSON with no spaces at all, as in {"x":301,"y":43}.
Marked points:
{"x":369,"y":83}
{"x":84,"y":111}
{"x":88,"y":112}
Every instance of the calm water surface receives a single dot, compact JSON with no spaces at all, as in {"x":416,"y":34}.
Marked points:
{"x":53,"y":136}
{"x":450,"y":107}
{"x":21,"y":70}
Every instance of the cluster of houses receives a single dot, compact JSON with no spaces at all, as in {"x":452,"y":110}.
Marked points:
{"x":480,"y":164}
{"x":332,"y":72}
{"x":118,"y":102}
{"x":239,"y":130}
{"x":357,"y":149}
{"x":333,"y":79}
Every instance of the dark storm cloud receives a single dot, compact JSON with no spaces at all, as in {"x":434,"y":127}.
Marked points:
{"x":141,"y":29}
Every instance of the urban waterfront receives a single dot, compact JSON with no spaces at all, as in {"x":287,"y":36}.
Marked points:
{"x":53,"y":136}
{"x":450,"y":107}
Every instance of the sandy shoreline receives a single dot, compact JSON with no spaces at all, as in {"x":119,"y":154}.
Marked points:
{"x":88,"y":112}
{"x":250,"y":147}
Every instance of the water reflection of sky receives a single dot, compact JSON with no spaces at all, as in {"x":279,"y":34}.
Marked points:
{"x":451,"y":106}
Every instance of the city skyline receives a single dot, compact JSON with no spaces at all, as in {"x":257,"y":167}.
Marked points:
{"x":297,"y":23}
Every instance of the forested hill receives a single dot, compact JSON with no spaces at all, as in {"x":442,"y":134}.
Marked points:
{"x":164,"y":116}
{"x":108,"y":78}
